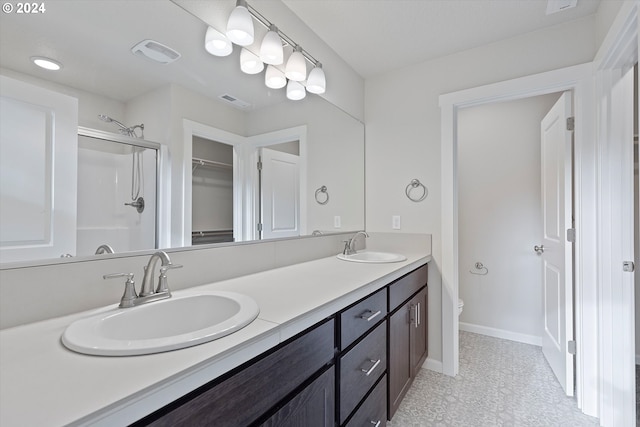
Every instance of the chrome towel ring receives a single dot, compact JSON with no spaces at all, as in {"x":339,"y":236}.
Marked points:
{"x":322,"y":189}
{"x":415,"y":183}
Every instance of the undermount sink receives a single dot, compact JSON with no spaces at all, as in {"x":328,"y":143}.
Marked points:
{"x":159,"y":326}
{"x":373,"y":257}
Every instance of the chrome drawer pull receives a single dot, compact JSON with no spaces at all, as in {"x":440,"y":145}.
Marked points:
{"x":367,"y":372}
{"x":370,"y":318}
{"x":376,"y":423}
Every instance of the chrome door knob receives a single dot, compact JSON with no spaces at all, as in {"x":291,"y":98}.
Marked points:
{"x":539,"y":249}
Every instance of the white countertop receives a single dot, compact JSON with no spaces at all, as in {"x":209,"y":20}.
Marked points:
{"x":44,"y":384}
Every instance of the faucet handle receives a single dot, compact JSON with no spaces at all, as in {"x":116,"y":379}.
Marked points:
{"x":163,"y":286}
{"x":129,"y":295}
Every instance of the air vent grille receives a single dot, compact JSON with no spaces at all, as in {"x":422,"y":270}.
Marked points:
{"x":238,"y":103}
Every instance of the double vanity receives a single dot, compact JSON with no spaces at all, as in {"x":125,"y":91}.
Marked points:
{"x":334,"y":343}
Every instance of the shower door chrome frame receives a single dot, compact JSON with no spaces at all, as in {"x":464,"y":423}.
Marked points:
{"x":141,"y":143}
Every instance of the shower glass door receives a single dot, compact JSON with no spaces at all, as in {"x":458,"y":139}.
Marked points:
{"x":117,"y":195}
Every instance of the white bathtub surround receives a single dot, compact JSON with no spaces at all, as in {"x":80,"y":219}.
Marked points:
{"x":37,"y":371}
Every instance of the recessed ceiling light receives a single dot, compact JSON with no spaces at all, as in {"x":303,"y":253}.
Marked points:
{"x":46,"y":63}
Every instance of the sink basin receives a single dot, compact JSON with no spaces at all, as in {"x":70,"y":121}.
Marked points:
{"x":373,"y":257}
{"x":170,"y":324}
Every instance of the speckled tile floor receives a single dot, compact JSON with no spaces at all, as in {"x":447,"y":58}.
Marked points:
{"x":500,"y":383}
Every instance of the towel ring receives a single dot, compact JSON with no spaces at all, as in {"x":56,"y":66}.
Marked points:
{"x":322,"y":189}
{"x":415,"y":183}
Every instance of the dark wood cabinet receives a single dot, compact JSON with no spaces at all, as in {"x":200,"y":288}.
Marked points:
{"x":407,"y":338}
{"x":351,"y":369}
{"x":312,"y":407}
{"x":247,"y":395}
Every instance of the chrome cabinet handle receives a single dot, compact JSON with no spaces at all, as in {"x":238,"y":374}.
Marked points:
{"x":370,"y":318}
{"x":368,"y":372}
{"x":376,"y":423}
{"x":539,"y":249}
{"x":417,"y":315}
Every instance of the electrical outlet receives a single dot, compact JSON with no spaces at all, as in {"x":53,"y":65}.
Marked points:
{"x":395,"y":222}
{"x":337,"y":222}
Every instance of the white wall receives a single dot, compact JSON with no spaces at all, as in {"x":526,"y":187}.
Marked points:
{"x":403,"y":128}
{"x":500,"y":218}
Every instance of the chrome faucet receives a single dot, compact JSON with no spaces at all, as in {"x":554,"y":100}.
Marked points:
{"x":104,"y":249}
{"x":349,"y":245}
{"x":148,"y":291}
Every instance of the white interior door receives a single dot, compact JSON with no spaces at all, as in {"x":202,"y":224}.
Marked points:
{"x":38,"y":172}
{"x":557,"y":251}
{"x":280,"y":194}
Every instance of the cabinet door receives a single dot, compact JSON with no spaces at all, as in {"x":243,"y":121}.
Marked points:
{"x":418,"y":339}
{"x":314,"y":406}
{"x":399,"y":356}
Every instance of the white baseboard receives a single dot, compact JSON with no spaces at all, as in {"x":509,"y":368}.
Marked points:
{"x":501,"y":333}
{"x":432,"y":364}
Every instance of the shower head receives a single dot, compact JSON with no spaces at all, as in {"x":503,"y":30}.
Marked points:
{"x":108,"y":119}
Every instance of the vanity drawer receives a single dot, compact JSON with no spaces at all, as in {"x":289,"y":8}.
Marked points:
{"x":373,"y":412}
{"x":361,"y":367}
{"x":404,"y":287}
{"x":357,"y":320}
{"x":245,"y":396}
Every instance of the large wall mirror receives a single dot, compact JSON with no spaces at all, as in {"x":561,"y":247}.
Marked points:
{"x":194,"y":163}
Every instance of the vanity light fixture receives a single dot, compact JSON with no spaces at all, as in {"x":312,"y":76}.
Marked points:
{"x":240,"y":25}
{"x":317,"y":83}
{"x":271,"y":51}
{"x":46,"y":63}
{"x":217,"y":43}
{"x":295,"y":90}
{"x":249,"y":62}
{"x":274,"y":78}
{"x":240,"y":30}
{"x":296,"y":66}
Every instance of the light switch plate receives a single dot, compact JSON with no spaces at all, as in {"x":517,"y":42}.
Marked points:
{"x":337,"y":222}
{"x":395,"y":222}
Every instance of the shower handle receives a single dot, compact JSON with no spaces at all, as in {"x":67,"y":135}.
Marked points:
{"x":539,"y":249}
{"x":138,"y":204}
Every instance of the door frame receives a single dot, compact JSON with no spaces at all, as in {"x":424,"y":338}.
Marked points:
{"x":579,"y":80}
{"x":616,"y":56}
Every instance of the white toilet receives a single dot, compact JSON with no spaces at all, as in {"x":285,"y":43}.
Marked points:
{"x":460,"y":306}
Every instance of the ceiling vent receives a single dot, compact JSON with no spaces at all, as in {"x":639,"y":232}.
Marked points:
{"x":554,"y":6}
{"x":155,"y":51}
{"x":238,"y":103}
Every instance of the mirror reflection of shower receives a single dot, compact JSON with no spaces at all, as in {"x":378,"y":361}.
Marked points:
{"x":137,"y":172}
{"x":106,"y":179}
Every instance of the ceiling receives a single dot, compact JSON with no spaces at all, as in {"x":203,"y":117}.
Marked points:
{"x":93,"y":39}
{"x":377,"y":36}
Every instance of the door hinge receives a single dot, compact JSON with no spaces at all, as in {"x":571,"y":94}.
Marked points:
{"x":571,"y":235}
{"x":571,"y":347}
{"x":628,"y":266}
{"x":571,"y":123}
{"x":260,"y":227}
{"x":259,"y":165}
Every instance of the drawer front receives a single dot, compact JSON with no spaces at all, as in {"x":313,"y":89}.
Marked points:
{"x":242,"y":398}
{"x":361,"y":367}
{"x":373,"y":412}
{"x":357,"y":320}
{"x":403,"y":288}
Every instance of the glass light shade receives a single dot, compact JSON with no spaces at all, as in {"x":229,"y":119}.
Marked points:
{"x":317,"y":83}
{"x":217,"y":43}
{"x":295,"y":91}
{"x":240,"y":25}
{"x":274,"y":78}
{"x":296,"y":69}
{"x":271,"y":51}
{"x":249,"y":62}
